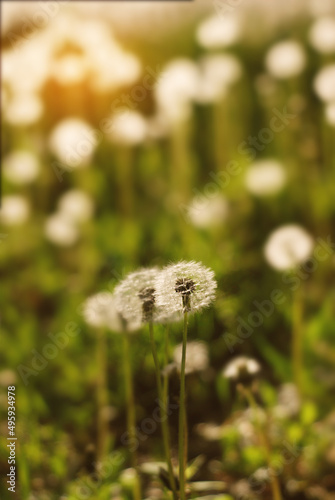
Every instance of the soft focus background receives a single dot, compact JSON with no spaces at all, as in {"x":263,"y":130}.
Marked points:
{"x":136,"y":134}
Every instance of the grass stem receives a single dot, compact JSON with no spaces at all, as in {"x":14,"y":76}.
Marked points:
{"x":162,"y":395}
{"x":182,"y":430}
{"x":131,"y":412}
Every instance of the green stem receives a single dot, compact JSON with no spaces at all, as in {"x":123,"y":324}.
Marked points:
{"x":276,"y":493}
{"x":182,"y":413}
{"x":131,"y":412}
{"x":297,"y":345}
{"x":162,"y":395}
{"x":102,"y":397}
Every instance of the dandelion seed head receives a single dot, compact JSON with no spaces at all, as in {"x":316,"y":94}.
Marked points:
{"x":176,"y":88}
{"x":209,"y":431}
{"x":216,"y":31}
{"x":197,"y":358}
{"x":60,"y":230}
{"x":100,"y":311}
{"x":288,"y":246}
{"x":15,"y":210}
{"x":206,"y":212}
{"x":25,"y":108}
{"x":185,"y":286}
{"x":289,"y":401}
{"x":218,"y":73}
{"x":324,"y":83}
{"x":21,"y":167}
{"x":128,"y":128}
{"x":286,"y":59}
{"x":73,"y":142}
{"x":69,"y":69}
{"x":322,"y":35}
{"x":265,"y":178}
{"x":76,"y":205}
{"x":135,"y":297}
{"x":241,"y":369}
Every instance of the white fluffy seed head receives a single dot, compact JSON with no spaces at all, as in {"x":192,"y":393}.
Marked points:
{"x":100,"y":311}
{"x":240,"y":367}
{"x":176,"y":87}
{"x":197,"y":358}
{"x":324,"y":83}
{"x":286,"y":59}
{"x":60,"y":230}
{"x":25,"y":108}
{"x":73,"y":142}
{"x":217,"y":32}
{"x":76,"y":205}
{"x":288,"y":246}
{"x":205,"y":212}
{"x":185,"y":286}
{"x":21,"y":167}
{"x":265,"y":178}
{"x":15,"y":210}
{"x":128,"y":128}
{"x":135,"y":297}
{"x":218,"y":73}
{"x":322,"y":35}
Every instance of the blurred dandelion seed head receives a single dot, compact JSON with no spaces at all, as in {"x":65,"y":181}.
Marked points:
{"x":205,"y":212}
{"x":241,"y":369}
{"x":135,"y":297}
{"x":330,"y":114}
{"x":197,"y":358}
{"x":265,"y":177}
{"x":24,"y":108}
{"x":217,"y":32}
{"x":21,"y":167}
{"x":324,"y":83}
{"x":147,"y":296}
{"x":100,"y":311}
{"x":60,"y":230}
{"x":128,"y":128}
{"x":15,"y":210}
{"x":288,"y":246}
{"x":76,"y":205}
{"x":218,"y":73}
{"x":176,"y":88}
{"x":209,"y":431}
{"x":322,"y":35}
{"x":286,"y":59}
{"x":185,"y":286}
{"x":72,"y":141}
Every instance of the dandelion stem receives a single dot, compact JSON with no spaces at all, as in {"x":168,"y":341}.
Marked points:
{"x":182,"y":433}
{"x":131,"y":413}
{"x":297,"y":315}
{"x":162,"y":394}
{"x":276,"y":493}
{"x":102,"y":397}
